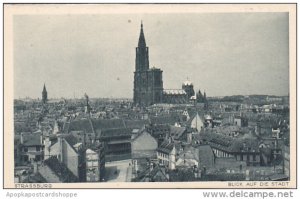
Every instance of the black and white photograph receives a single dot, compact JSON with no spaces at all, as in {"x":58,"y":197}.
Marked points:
{"x":137,"y":94}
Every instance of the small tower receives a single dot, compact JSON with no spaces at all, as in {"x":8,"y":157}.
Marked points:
{"x":44,"y":95}
{"x":87,"y":105}
{"x":188,"y":87}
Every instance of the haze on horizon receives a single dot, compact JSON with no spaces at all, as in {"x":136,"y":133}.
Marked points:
{"x":223,"y":54}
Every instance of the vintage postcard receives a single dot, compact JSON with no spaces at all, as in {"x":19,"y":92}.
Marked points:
{"x":150,"y":96}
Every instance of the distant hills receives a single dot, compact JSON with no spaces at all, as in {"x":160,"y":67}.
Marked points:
{"x":248,"y":98}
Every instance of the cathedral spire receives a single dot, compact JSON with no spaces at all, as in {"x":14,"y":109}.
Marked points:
{"x":142,"y":41}
{"x":44,"y":94}
{"x":44,"y":89}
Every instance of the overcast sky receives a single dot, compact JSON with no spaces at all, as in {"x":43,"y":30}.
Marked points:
{"x":223,"y":54}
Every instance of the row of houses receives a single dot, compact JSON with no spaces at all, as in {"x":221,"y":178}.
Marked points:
{"x":83,"y":145}
{"x":56,"y":156}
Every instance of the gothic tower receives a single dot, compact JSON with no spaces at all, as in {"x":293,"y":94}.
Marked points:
{"x":148,"y":85}
{"x":188,"y":87}
{"x":44,"y":95}
{"x":140,"y":74}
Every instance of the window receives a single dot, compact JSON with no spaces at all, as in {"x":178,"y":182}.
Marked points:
{"x":38,"y":158}
{"x":25,"y":158}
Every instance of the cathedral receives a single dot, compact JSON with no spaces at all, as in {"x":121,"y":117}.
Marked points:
{"x":148,"y":82}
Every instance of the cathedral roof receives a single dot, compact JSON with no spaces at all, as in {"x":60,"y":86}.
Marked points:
{"x":174,"y":91}
{"x":142,"y":41}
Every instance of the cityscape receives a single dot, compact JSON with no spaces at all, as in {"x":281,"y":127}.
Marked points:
{"x":160,"y":134}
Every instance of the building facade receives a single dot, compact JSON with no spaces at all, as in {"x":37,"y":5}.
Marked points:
{"x":144,"y":146}
{"x":31,"y":147}
{"x":68,"y":152}
{"x":95,"y":164}
{"x":117,"y":143}
{"x":166,"y":155}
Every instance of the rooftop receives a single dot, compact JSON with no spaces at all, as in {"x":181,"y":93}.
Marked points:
{"x":31,"y":139}
{"x":166,"y":147}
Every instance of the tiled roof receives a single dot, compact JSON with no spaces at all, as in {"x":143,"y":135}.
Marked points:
{"x":158,"y":129}
{"x":229,"y":144}
{"x":21,"y":127}
{"x":115,"y":132}
{"x":192,"y":116}
{"x":32,"y":139}
{"x":37,"y":178}
{"x":104,"y":124}
{"x":166,"y":147}
{"x":66,"y":127}
{"x":167,"y":119}
{"x":202,"y":154}
{"x":71,"y":139}
{"x":81,"y":125}
{"x":182,"y":175}
{"x":190,"y":153}
{"x":177,"y":131}
{"x":157,"y":174}
{"x":136,"y":124}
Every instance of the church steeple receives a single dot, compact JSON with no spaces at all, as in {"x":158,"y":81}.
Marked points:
{"x":44,"y":94}
{"x":142,"y":41}
{"x":44,"y":88}
{"x":142,"y":53}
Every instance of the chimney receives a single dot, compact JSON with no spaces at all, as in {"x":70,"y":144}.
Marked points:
{"x":151,"y":166}
{"x":21,"y":138}
{"x":47,"y":144}
{"x":169,"y":139}
{"x":247,"y":175}
{"x":41,"y":139}
{"x":276,"y":144}
{"x":135,"y":165}
{"x":47,"y":141}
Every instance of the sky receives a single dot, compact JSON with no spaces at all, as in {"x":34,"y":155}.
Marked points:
{"x":221,"y":53}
